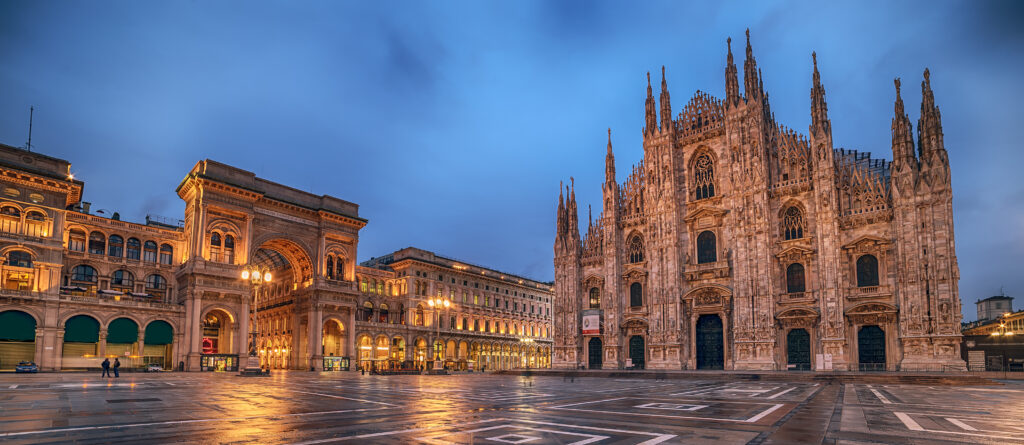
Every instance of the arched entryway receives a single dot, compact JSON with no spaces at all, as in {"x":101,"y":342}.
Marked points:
{"x":157,"y":341}
{"x":122,"y":342}
{"x":365,"y":345}
{"x":81,"y":343}
{"x":17,"y":338}
{"x":594,"y":349}
{"x":709,"y":342}
{"x":798,"y":350}
{"x":871,"y":348}
{"x":335,"y":343}
{"x":636,"y":351}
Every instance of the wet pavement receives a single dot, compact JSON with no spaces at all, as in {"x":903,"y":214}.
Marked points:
{"x":315,"y":408}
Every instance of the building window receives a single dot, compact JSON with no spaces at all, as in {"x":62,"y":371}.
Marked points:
{"x":704,"y":177}
{"x":330,"y":267}
{"x":229,"y":249}
{"x":10,"y":219}
{"x":635,"y":251}
{"x":97,"y":243}
{"x":134,"y":249}
{"x":122,"y":280}
{"x":867,"y":271}
{"x":115,"y":246}
{"x":339,"y":269}
{"x":166,"y":254}
{"x":35,"y":223}
{"x":419,"y":315}
{"x":595,"y":298}
{"x":83,"y":273}
{"x":636,"y":295}
{"x":706,"y":249}
{"x":76,"y":241}
{"x":795,"y":278}
{"x":792,"y":224}
{"x":156,"y":282}
{"x":19,"y":258}
{"x":149,"y":252}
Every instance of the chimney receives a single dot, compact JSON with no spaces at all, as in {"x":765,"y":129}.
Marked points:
{"x":85,"y":207}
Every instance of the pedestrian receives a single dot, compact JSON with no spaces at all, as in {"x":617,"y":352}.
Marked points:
{"x":106,"y":368}
{"x":117,"y":364}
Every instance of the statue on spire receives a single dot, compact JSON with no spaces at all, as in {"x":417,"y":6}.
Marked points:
{"x":609,"y":162}
{"x":732,"y":88}
{"x":666,"y":106}
{"x":819,"y":109}
{"x":751,"y":84}
{"x":651,"y":117}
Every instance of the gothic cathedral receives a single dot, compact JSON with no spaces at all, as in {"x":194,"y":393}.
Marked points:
{"x":737,"y":243}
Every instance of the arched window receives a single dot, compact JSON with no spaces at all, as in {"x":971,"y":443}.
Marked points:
{"x":636,"y":295}
{"x":330,"y":266}
{"x":704,"y":177}
{"x":155,"y":281}
{"x":122,"y":280}
{"x":10,"y":211}
{"x":635,"y":251}
{"x":339,"y":269}
{"x":35,"y":223}
{"x":595,"y":298}
{"x":83,"y":273}
{"x":19,"y":258}
{"x":707,"y":251}
{"x":97,"y":243}
{"x":76,"y":240}
{"x":115,"y":246}
{"x":451,"y":323}
{"x":229,"y":249}
{"x":166,"y":254}
{"x":10,"y":219}
{"x":795,"y":278}
{"x":134,"y":249}
{"x":383,"y":315}
{"x":792,"y":224}
{"x":149,"y":252}
{"x":418,"y":321}
{"x":867,"y":271}
{"x":215,"y":239}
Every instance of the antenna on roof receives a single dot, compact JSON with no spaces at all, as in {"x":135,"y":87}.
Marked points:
{"x":31,"y":111}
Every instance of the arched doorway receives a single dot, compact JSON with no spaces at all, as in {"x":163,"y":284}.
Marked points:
{"x":81,"y":343}
{"x":798,"y":350}
{"x":17,"y":338}
{"x":335,"y":353}
{"x":365,"y":352}
{"x":871,"y":348}
{"x":709,"y":339}
{"x":594,"y":349}
{"x":157,"y":340}
{"x":122,"y":341}
{"x":636,"y":351}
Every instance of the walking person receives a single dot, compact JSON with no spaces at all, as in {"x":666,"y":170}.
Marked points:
{"x":117,"y":364}
{"x":106,"y":368}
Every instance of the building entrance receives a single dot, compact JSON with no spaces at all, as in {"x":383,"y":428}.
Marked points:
{"x":636,"y":351}
{"x":594,"y":353}
{"x":871,"y":348}
{"x":798,"y":350}
{"x":710,"y":351}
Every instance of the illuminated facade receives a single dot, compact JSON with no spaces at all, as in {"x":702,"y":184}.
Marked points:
{"x":737,"y":243}
{"x":79,"y":285}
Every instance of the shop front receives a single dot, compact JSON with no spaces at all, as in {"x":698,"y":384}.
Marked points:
{"x":336,"y":363}
{"x":219,"y":362}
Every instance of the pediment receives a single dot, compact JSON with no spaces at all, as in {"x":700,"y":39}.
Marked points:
{"x":871,"y":308}
{"x":702,"y":212}
{"x":866,"y":241}
{"x":799,"y":312}
{"x":593,"y":281}
{"x":634,"y":323}
{"x":634,"y":274}
{"x":794,"y":251}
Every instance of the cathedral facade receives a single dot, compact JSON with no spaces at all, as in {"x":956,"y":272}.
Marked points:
{"x":737,"y":243}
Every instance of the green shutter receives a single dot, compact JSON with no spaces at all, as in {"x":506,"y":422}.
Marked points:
{"x":81,"y":329}
{"x":17,"y":326}
{"x":122,"y":330}
{"x":159,"y":332}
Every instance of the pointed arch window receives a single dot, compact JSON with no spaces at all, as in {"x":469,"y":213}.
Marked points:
{"x":867,"y":271}
{"x":795,"y":278}
{"x":704,"y":177}
{"x":636,"y":295}
{"x":635,"y":250}
{"x":793,"y":224}
{"x":595,"y":298}
{"x":707,"y":251}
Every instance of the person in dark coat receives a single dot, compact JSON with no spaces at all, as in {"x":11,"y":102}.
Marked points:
{"x":117,"y":364}
{"x":106,"y":368}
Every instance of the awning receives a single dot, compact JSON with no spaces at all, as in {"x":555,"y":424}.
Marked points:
{"x":110,"y":292}
{"x":122,"y":330}
{"x":81,"y":329}
{"x":72,"y":289}
{"x":17,"y":326}
{"x":159,"y":332}
{"x":138,"y":294}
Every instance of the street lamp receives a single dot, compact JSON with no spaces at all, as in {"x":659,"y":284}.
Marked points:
{"x":257,"y":276}
{"x":438,"y":303}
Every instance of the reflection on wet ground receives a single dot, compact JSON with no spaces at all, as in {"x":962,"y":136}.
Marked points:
{"x":313,"y":408}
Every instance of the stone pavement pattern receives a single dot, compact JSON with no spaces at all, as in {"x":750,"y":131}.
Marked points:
{"x":313,"y":408}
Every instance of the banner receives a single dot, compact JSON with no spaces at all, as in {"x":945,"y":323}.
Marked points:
{"x":591,"y":325}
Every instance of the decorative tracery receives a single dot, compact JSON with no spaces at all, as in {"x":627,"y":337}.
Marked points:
{"x":635,"y":250}
{"x":792,"y":224}
{"x":704,"y":177}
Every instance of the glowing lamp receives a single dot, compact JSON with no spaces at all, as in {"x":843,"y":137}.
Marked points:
{"x":430,"y":302}
{"x":256,"y":275}
{"x":266,"y":277}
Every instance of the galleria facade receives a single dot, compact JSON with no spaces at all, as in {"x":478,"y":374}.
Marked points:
{"x":737,"y":243}
{"x":77,"y":286}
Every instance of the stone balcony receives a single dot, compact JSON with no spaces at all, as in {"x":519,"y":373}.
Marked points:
{"x":705,"y":271}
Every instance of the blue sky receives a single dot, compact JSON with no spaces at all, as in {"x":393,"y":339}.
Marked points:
{"x":451,"y":123}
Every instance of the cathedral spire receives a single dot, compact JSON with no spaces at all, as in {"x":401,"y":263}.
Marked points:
{"x":666,"y":105}
{"x":732,"y":86}
{"x":651,"y":118}
{"x":574,"y":223}
{"x":609,"y":162}
{"x":560,"y":222}
{"x":819,"y":109}
{"x":929,"y":126}
{"x":902,"y":139}
{"x":751,"y":84}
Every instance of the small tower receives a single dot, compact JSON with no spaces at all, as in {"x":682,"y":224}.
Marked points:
{"x":752,"y":86}
{"x":666,"y":105}
{"x":650,"y":113}
{"x":732,"y":86}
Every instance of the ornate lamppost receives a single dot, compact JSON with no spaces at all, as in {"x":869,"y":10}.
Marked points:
{"x":438,"y":303}
{"x":257,"y":276}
